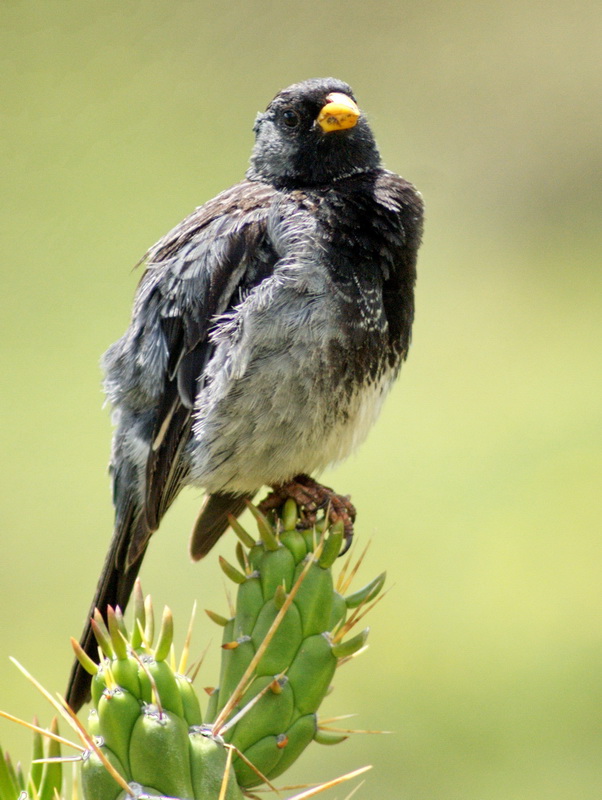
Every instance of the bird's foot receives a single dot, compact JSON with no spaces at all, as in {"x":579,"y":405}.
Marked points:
{"x":312,"y":497}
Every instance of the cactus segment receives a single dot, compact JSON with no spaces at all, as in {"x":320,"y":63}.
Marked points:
{"x":338,"y":614}
{"x":99,"y":682}
{"x":295,"y":542}
{"x":312,"y":671}
{"x":314,"y":599}
{"x":255,"y":554}
{"x":158,"y":685}
{"x":97,"y":782}
{"x":285,"y":642}
{"x":209,"y":760}
{"x":249,"y":604}
{"x":159,"y":754}
{"x":276,"y":568}
{"x":235,"y":661}
{"x":126,"y":675}
{"x":93,"y":723}
{"x":117,"y":712}
{"x":297,"y":737}
{"x":272,"y":713}
{"x":264,"y":755}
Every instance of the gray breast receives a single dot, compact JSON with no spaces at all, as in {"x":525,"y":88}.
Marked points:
{"x":282,"y":394}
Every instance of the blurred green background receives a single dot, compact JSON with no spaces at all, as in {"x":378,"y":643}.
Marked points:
{"x":480,"y":485}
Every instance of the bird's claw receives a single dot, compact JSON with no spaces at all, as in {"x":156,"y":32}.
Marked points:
{"x":312,"y":497}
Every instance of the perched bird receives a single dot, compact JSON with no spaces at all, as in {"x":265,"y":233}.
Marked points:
{"x":267,"y":328}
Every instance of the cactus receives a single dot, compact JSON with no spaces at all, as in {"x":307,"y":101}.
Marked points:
{"x":46,"y":775}
{"x":287,"y":586}
{"x":280,"y":650}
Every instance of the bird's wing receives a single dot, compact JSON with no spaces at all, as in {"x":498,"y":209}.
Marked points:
{"x":191,"y":275}
{"x":403,"y":230}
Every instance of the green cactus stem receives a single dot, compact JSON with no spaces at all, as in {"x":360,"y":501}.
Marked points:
{"x":272,"y":681}
{"x":281,"y":646}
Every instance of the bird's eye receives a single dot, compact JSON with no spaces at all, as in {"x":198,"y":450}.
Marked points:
{"x":290,"y":117}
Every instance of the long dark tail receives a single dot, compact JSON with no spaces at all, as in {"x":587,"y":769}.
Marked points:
{"x":114,"y":588}
{"x":120,"y":571}
{"x":212,"y":520}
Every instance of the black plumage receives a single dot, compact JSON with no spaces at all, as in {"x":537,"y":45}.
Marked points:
{"x":267,"y":328}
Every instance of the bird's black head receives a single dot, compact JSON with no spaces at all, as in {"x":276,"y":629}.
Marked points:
{"x":311,"y":134}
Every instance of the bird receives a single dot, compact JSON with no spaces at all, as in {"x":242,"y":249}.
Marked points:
{"x":267,"y":328}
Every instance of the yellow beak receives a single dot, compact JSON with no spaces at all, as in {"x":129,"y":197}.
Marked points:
{"x":339,"y":113}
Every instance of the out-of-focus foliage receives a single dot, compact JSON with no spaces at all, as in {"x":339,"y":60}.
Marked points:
{"x":480,"y":481}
